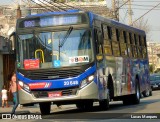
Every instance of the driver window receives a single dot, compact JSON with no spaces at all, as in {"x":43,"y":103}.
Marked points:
{"x":99,"y":42}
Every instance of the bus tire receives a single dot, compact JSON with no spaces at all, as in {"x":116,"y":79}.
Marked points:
{"x":150,"y":92}
{"x":110,"y":87}
{"x":126,"y":100}
{"x":146,"y":93}
{"x":104,"y":104}
{"x":45,"y":108}
{"x":86,"y":105}
{"x":137,"y":95}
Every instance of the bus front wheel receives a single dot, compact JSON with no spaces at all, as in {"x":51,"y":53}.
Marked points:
{"x":45,"y":108}
{"x":104,"y":104}
{"x":85,"y":105}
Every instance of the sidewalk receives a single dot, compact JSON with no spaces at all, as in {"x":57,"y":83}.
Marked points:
{"x":23,"y":110}
{"x":32,"y":109}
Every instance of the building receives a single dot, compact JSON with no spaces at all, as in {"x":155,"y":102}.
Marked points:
{"x":154,"y":55}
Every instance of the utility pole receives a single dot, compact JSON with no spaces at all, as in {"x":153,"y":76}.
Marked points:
{"x":129,"y":13}
{"x":19,"y":14}
{"x":115,"y":9}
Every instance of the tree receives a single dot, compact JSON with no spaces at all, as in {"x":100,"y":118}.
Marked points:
{"x":151,"y":68}
{"x":143,"y":25}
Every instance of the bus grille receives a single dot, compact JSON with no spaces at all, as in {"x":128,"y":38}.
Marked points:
{"x":66,"y":92}
{"x":53,"y":74}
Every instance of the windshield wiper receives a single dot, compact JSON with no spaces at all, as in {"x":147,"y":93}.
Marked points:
{"x":64,"y":39}
{"x":66,"y":36}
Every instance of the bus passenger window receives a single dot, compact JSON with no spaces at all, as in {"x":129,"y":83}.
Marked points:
{"x":144,"y":50}
{"x":130,"y":53}
{"x":105,"y":32}
{"x":117,"y":35}
{"x":107,"y":42}
{"x":115,"y":44}
{"x":109,"y":29}
{"x":123,"y":44}
{"x":133,"y":42}
{"x":145,"y":43}
{"x":123,"y":49}
{"x":125,"y":37}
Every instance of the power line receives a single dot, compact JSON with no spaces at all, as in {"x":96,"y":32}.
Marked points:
{"x":145,"y":1}
{"x":41,"y":5}
{"x":122,"y":4}
{"x":141,"y":8}
{"x":141,"y":5}
{"x":146,"y":13}
{"x":46,"y":5}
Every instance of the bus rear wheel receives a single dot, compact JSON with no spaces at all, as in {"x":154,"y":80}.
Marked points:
{"x":146,"y":93}
{"x":45,"y":108}
{"x":136,"y":96}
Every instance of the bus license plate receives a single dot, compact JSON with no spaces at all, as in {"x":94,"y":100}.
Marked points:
{"x":54,"y":94}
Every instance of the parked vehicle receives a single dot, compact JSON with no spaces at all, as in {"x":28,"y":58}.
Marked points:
{"x":155,"y":81}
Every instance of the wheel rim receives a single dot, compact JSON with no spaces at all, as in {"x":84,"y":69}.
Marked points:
{"x":147,"y":93}
{"x":138,"y":93}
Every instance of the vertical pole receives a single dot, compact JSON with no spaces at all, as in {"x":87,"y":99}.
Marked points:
{"x":114,"y":9}
{"x":18,"y":12}
{"x":152,"y":59}
{"x":129,"y":13}
{"x":117,"y":11}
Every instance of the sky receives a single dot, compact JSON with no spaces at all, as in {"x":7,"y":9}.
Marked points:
{"x":139,"y":8}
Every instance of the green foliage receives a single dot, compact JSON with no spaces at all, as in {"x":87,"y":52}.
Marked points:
{"x":151,"y":68}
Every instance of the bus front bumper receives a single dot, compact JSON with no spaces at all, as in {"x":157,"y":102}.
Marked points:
{"x":88,"y":92}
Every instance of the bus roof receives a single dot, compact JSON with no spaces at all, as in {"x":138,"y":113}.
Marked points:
{"x":92,"y":15}
{"x":54,"y":13}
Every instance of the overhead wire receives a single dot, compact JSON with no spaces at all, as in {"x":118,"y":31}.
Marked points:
{"x":142,"y":8}
{"x":46,"y":9}
{"x":146,"y":13}
{"x":46,"y":5}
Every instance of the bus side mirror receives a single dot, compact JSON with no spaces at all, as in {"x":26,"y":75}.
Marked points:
{"x":99,"y":57}
{"x":12,"y":41}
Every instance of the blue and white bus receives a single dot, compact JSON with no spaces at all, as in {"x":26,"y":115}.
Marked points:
{"x":77,"y":57}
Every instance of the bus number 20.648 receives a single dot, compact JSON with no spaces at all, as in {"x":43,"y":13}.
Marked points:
{"x":70,"y":83}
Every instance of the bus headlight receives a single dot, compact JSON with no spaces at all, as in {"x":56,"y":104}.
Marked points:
{"x":24,"y":86}
{"x":87,"y":81}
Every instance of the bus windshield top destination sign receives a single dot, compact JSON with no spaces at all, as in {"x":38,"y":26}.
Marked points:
{"x":52,"y":21}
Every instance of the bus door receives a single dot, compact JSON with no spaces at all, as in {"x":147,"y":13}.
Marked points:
{"x":102,"y":84}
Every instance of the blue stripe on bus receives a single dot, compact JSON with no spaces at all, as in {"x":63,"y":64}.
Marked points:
{"x":59,"y":83}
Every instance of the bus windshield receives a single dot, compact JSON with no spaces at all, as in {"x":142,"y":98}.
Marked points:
{"x":55,"y":49}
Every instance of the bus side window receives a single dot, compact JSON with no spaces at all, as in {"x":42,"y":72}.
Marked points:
{"x":144,"y":48}
{"x":107,"y":41}
{"x":139,"y":52}
{"x":129,"y":42}
{"x":125,"y":41}
{"x":115,"y":43}
{"x":123,"y":45}
{"x":99,"y":41}
{"x":118,"y":35}
{"x":134,"y":47}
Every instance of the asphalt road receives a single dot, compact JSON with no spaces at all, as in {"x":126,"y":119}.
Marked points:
{"x":148,"y":110}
